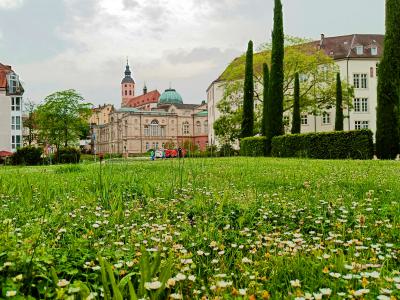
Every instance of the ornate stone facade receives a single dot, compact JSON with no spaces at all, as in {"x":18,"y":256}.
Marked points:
{"x":151,"y":121}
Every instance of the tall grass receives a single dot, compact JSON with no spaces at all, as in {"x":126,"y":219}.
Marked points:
{"x":228,"y":228}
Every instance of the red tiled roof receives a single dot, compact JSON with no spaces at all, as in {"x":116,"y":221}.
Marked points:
{"x":150,"y":97}
{"x":340,"y":47}
{"x":5,"y":154}
{"x":4,"y":70}
{"x":337,"y":47}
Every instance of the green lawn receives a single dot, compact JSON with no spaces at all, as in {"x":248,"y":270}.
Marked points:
{"x":230,"y":228}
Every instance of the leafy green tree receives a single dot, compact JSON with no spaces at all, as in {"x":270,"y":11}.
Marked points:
{"x":61,"y":117}
{"x":248,"y":95}
{"x":296,"y":122}
{"x":266,"y":103}
{"x":317,"y":72}
{"x":339,"y":104}
{"x":275,"y":90}
{"x":30,"y":122}
{"x":387,"y":133}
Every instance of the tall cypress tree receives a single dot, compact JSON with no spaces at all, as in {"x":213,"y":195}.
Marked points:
{"x":339,"y":104}
{"x":248,"y":96}
{"x":266,"y":102}
{"x":296,"y":122}
{"x":387,"y":127}
{"x":275,"y":114}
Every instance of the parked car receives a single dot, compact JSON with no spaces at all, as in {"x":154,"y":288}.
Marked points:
{"x":159,"y":154}
{"x":172,"y":153}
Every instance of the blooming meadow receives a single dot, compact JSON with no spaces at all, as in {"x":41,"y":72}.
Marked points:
{"x":235,"y":228}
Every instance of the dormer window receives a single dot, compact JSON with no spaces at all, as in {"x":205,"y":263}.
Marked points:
{"x":360,"y":50}
{"x":374,"y":50}
{"x":12,"y":83}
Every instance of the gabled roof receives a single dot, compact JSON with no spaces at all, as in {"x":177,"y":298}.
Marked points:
{"x":150,"y":97}
{"x":166,"y":106}
{"x":185,"y":106}
{"x":340,"y":47}
{"x":203,"y":113}
{"x":337,"y":47}
{"x":4,"y":70}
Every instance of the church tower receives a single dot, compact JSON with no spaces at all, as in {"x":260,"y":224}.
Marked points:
{"x":127,"y":86}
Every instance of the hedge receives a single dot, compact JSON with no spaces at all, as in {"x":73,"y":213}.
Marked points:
{"x":253,"y":146}
{"x":327,"y":145}
{"x":68,"y":155}
{"x":29,"y":156}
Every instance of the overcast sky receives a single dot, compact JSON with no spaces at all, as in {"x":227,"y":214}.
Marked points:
{"x":83,"y":44}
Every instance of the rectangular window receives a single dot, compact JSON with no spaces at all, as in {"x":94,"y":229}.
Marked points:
{"x":374,"y":50}
{"x":13,"y":83}
{"x":18,"y":123}
{"x":364,"y":104}
{"x":304,"y":120}
{"x":360,"y":50}
{"x":15,"y":142}
{"x":16,"y":103}
{"x":356,"y":81}
{"x":361,"y":125}
{"x":326,"y":118}
{"x":364,"y":81}
{"x":360,"y":81}
{"x":12,"y":123}
{"x":361,"y":105}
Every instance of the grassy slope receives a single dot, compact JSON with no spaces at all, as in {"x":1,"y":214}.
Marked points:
{"x":287,"y":214}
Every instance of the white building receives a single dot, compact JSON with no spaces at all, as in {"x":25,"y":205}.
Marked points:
{"x":357,"y":56}
{"x":11,"y":101}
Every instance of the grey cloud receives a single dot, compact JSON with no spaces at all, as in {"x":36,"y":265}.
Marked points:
{"x":128,"y":4}
{"x":58,"y":44}
{"x":10,"y":4}
{"x":200,"y":55}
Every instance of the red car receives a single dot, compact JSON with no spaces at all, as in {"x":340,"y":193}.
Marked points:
{"x":174,"y":153}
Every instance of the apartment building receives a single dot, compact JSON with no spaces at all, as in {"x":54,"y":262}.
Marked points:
{"x":11,"y":105}
{"x":357,"y":56}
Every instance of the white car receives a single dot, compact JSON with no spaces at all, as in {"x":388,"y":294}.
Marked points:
{"x":159,"y":154}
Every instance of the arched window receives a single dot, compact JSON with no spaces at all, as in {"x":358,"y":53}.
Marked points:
{"x":185,"y":128}
{"x":130,"y":93}
{"x":154,"y":129}
{"x":126,"y":93}
{"x":198,"y":127}
{"x":205,"y":126}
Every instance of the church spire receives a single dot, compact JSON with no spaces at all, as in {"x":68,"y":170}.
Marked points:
{"x":127,"y":86}
{"x":145,"y":89}
{"x":128,"y":72}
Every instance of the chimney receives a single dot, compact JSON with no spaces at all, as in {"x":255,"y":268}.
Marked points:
{"x":321,"y":43}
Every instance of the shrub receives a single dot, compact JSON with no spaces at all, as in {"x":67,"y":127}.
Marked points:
{"x":253,"y":146}
{"x":226,"y":150}
{"x":212,"y":151}
{"x":328,"y":145}
{"x":112,"y":155}
{"x":68,"y":155}
{"x":30,"y":156}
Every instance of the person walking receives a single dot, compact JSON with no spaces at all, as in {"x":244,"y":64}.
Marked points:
{"x":152,"y":154}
